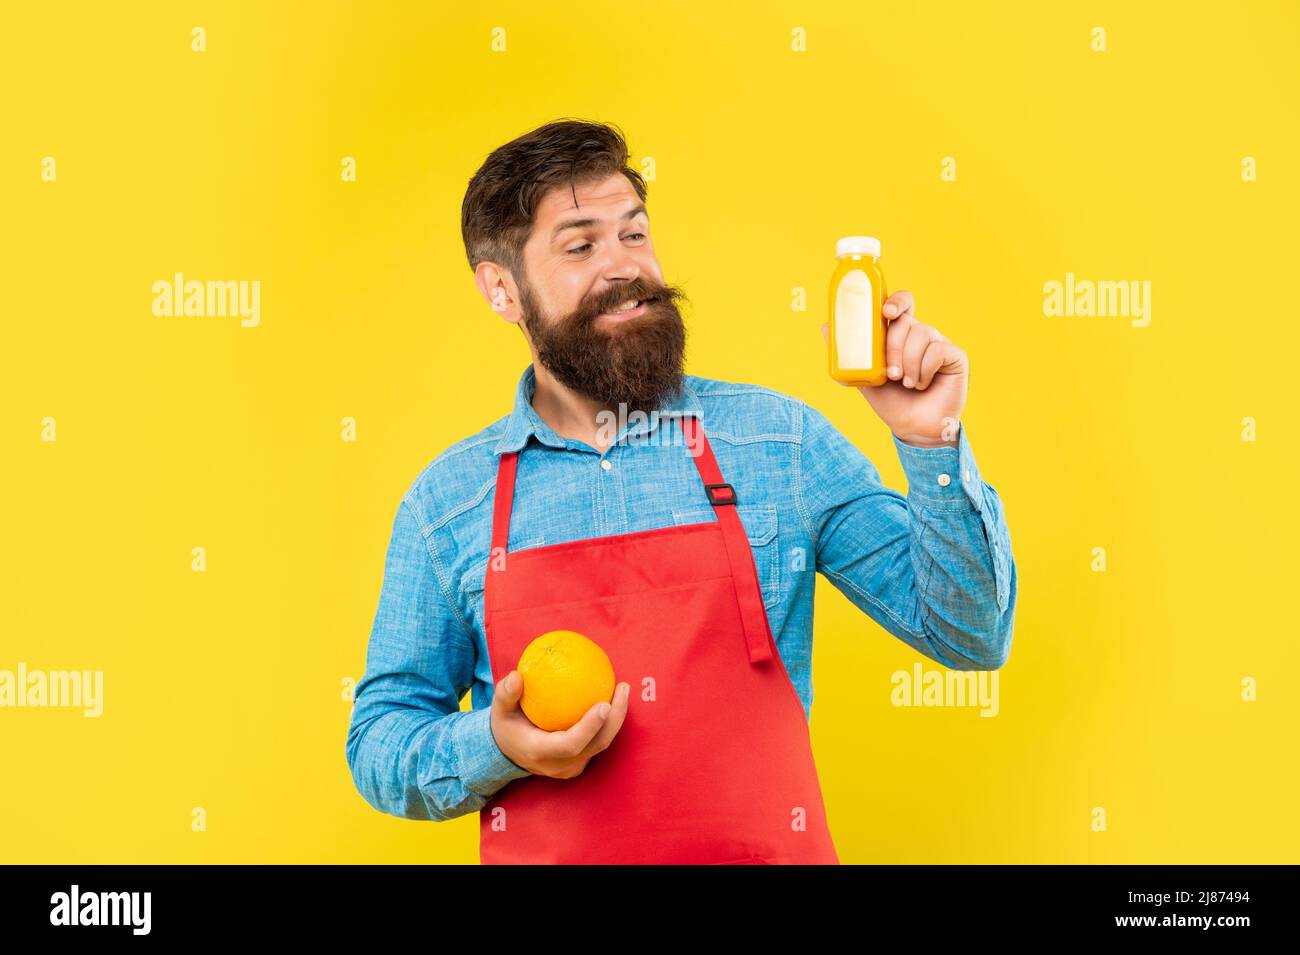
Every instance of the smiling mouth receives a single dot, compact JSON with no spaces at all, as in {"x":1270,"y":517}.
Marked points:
{"x":629,"y":309}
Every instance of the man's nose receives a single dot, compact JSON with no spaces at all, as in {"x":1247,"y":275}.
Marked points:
{"x":622,"y":265}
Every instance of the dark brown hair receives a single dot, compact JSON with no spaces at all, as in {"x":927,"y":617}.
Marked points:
{"x":497,"y":213}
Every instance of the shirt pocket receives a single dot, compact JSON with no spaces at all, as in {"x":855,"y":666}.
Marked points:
{"x":472,"y":580}
{"x":759,"y":521}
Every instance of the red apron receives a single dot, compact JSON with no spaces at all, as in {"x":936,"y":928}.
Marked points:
{"x":713,"y":763}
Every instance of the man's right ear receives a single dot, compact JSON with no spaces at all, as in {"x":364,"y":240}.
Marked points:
{"x":488,"y":277}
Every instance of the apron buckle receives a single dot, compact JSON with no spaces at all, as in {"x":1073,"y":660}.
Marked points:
{"x":720,"y":493}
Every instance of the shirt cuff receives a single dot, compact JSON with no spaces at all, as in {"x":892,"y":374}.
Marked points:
{"x":480,"y":764}
{"x":942,"y":475}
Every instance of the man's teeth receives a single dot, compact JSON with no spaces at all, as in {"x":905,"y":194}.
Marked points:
{"x":625,"y":307}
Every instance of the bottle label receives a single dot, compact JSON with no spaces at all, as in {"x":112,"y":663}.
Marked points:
{"x":854,"y":321}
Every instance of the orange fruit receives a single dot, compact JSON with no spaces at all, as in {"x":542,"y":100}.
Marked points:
{"x":564,"y":675}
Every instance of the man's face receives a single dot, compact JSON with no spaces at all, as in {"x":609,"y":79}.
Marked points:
{"x":582,"y":265}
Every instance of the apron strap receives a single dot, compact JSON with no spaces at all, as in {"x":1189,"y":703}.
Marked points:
{"x":501,"y":502}
{"x":758,"y":632}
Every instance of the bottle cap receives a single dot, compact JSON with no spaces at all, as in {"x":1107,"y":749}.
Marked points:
{"x":858,"y":245}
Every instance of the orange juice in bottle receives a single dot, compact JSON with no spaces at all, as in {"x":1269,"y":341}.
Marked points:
{"x":857,"y":326}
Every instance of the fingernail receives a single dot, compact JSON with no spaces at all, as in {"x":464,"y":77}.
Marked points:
{"x":603,"y":710}
{"x":890,"y":309}
{"x":907,"y":382}
{"x":894,"y":371}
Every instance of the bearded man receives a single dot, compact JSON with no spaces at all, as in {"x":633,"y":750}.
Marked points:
{"x":682,"y":541}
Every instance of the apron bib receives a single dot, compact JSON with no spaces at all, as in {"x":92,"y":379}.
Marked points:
{"x":713,"y":764}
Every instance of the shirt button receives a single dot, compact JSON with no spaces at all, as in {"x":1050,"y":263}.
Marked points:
{"x":968,"y":474}
{"x":606,"y":465}
{"x":944,"y":480}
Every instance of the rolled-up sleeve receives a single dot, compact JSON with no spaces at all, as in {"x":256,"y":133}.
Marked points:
{"x":411,"y":750}
{"x":934,"y":567}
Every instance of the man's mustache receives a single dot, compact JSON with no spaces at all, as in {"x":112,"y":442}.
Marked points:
{"x":651,"y":295}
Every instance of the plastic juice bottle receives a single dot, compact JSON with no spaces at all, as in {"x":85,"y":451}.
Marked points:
{"x":857,"y":325}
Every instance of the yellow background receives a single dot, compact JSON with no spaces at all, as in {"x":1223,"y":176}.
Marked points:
{"x":224,"y":689}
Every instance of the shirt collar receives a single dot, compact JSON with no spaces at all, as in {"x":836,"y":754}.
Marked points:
{"x":524,"y":419}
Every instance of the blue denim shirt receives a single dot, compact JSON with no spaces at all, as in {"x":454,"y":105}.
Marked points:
{"x":934,"y":568}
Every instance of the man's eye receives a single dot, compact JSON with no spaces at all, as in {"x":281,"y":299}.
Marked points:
{"x":587,"y":245}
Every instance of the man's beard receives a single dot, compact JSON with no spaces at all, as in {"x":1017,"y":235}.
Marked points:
{"x":636,"y":362}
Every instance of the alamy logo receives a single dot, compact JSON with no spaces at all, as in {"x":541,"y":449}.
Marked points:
{"x":946,"y":688}
{"x":1085,"y":298}
{"x":84,"y":688}
{"x":213,"y":299}
{"x":102,"y":908}
{"x":636,"y":428}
